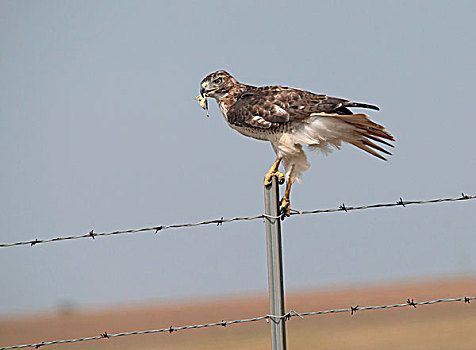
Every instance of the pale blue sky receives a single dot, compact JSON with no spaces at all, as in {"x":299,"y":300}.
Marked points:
{"x":100,"y":130}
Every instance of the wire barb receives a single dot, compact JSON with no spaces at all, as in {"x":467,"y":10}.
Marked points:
{"x":401,"y":202}
{"x":223,"y":323}
{"x":219,"y":222}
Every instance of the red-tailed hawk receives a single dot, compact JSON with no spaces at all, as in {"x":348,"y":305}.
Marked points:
{"x":291,"y":119}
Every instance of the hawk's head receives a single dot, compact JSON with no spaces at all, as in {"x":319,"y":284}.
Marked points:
{"x":217,"y":84}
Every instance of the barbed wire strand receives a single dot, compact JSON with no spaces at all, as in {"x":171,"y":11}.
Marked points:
{"x":292,"y":313}
{"x":218,"y":222}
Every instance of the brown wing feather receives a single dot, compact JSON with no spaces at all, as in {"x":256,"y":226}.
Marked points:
{"x":278,"y":105}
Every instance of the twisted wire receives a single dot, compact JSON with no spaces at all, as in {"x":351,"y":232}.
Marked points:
{"x":273,"y":318}
{"x":218,"y":222}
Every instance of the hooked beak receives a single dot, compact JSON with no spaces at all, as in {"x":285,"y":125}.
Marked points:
{"x":204,"y":89}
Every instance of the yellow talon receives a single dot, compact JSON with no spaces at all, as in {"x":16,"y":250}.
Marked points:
{"x":285,"y":207}
{"x":273,"y":171}
{"x":269,"y":176}
{"x":286,"y":202}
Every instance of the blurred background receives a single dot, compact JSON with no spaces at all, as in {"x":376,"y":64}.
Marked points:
{"x":100,"y":130}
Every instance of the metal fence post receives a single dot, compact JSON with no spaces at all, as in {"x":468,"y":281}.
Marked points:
{"x":275,"y":265}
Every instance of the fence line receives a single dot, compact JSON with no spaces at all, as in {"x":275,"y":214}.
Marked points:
{"x":218,"y":222}
{"x":274,"y":318}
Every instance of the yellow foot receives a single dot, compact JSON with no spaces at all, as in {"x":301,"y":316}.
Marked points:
{"x":269,"y":175}
{"x":273,"y":171}
{"x":285,"y":208}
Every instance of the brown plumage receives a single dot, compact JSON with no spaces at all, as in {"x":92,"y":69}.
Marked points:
{"x":292,"y":118}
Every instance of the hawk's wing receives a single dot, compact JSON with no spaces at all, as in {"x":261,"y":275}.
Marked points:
{"x":271,"y":106}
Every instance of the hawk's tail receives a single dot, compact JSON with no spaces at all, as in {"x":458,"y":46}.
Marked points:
{"x":363,"y":132}
{"x":357,"y":129}
{"x":324,"y":130}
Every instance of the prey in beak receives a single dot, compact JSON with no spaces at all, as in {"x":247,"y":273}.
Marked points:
{"x":202,"y":101}
{"x":202,"y":98}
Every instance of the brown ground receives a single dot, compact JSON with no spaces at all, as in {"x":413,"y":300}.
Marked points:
{"x":441,"y":326}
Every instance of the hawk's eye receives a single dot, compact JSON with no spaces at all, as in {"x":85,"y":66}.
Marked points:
{"x":217,"y":81}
